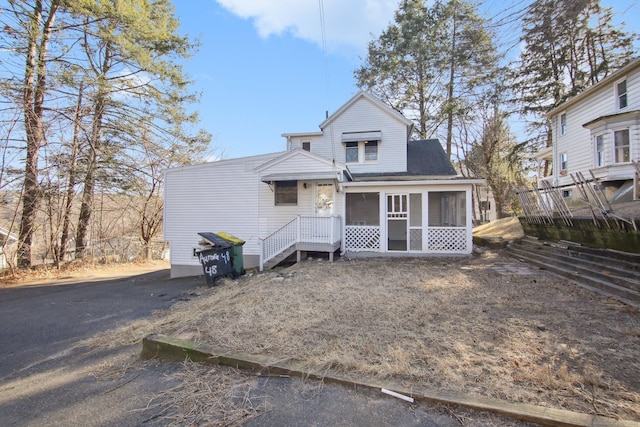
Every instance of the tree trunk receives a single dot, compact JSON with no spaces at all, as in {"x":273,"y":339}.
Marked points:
{"x":452,"y":70}
{"x":66,"y":222}
{"x":89,"y":180}
{"x":33,"y":99}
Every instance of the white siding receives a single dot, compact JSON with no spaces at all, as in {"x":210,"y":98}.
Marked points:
{"x":273,"y":217}
{"x":316,"y":143}
{"x":217,"y":196}
{"x":365,"y":116}
{"x":579,"y":142}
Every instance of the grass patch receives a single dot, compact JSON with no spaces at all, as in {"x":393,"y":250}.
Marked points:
{"x":484,"y":325}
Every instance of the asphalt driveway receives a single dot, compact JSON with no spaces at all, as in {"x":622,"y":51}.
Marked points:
{"x":39,"y":321}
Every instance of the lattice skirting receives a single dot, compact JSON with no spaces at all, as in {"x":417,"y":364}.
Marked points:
{"x":362,"y":238}
{"x":439,"y":239}
{"x":447,"y":240}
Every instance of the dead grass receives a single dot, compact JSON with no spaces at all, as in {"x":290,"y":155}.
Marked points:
{"x":485,"y":325}
{"x":506,"y":228}
{"x":208,"y":395}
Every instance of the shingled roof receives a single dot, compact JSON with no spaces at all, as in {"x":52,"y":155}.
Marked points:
{"x":425,"y":158}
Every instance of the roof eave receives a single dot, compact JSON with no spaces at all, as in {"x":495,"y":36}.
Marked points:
{"x":633,"y":64}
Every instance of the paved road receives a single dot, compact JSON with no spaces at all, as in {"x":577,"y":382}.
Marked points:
{"x":40,"y":321}
{"x":45,"y":380}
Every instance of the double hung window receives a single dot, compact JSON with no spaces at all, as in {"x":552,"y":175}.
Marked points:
{"x":599,"y":142}
{"x":621,"y":146}
{"x":621,"y":94}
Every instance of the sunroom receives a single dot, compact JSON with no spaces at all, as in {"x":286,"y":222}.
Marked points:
{"x":423,"y":218}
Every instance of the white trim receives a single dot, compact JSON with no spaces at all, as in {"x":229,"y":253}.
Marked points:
{"x":467,"y":181}
{"x":613,"y":144}
{"x":301,"y":176}
{"x":301,"y":134}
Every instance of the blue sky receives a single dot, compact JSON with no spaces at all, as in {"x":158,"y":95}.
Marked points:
{"x":260,"y":67}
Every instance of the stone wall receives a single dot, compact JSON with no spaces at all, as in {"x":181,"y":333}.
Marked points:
{"x":585,"y":232}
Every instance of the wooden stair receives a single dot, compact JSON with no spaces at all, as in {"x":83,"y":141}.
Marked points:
{"x":279,"y":258}
{"x":608,"y":272}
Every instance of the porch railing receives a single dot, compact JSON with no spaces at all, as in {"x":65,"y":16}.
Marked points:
{"x":301,"y":229}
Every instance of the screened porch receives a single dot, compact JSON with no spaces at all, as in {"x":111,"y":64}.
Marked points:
{"x":421,"y":222}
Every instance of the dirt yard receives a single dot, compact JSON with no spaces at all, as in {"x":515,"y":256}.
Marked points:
{"x":486,"y":325}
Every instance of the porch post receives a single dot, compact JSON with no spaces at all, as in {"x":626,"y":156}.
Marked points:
{"x":469,"y":219}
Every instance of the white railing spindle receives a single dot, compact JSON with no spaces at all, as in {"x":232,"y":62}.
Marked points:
{"x":302,"y":229}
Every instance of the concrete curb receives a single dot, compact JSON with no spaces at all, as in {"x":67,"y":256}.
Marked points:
{"x":167,"y":348}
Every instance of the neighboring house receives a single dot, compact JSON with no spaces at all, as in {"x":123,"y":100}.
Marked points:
{"x":7,"y":242}
{"x":484,"y":205}
{"x":597,"y":131}
{"x":358,"y":185}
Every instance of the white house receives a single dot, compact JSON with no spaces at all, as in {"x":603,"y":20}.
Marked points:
{"x":597,"y":131}
{"x":7,"y":247}
{"x":358,"y":185}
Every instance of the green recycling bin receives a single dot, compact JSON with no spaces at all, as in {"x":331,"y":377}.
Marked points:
{"x":237,"y":261}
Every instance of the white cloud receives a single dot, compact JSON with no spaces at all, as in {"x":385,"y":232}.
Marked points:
{"x":348,"y":24}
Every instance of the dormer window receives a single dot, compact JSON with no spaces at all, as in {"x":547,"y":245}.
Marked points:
{"x":370,"y":151}
{"x":306,"y":145}
{"x":351,"y":152}
{"x":361,"y":147}
{"x":621,"y":94}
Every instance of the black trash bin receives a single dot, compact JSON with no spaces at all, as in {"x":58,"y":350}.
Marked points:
{"x":216,"y":259}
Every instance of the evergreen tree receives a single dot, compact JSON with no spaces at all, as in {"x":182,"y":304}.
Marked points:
{"x":87,"y":84}
{"x":431,"y":64}
{"x":568,"y":46}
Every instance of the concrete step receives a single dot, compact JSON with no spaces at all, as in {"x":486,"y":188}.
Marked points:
{"x":615,"y":260}
{"x":600,"y":267}
{"x":588,"y":277}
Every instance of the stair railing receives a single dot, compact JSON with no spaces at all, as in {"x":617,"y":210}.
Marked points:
{"x":279,"y":241}
{"x":308,"y":229}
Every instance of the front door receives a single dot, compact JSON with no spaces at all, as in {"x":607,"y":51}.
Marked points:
{"x":324,"y":199}
{"x":397,"y":214}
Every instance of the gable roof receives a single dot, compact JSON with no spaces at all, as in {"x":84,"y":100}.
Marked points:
{"x":632,"y":65}
{"x":255,"y":159}
{"x":375,"y":101}
{"x":295,"y":153}
{"x":328,"y":169}
{"x":425,"y":157}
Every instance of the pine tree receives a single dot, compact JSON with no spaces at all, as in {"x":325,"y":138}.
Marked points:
{"x":430,"y":64}
{"x":568,"y":46}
